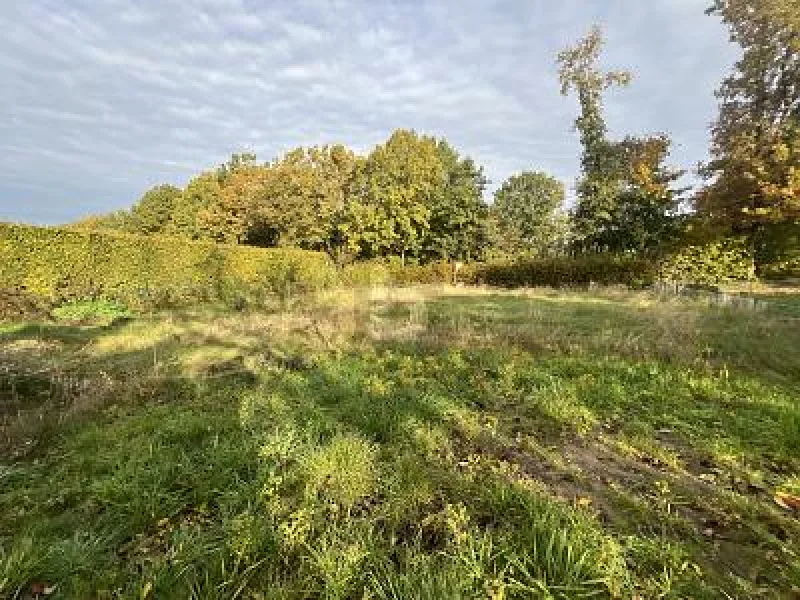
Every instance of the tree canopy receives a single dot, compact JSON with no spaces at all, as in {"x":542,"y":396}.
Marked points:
{"x":527,"y":214}
{"x":754,"y":174}
{"x":416,"y":197}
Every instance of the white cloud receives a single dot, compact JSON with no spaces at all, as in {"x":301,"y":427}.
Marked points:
{"x":102,"y":100}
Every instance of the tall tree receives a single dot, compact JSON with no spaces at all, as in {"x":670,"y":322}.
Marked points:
{"x":200,"y":193}
{"x":645,"y":217}
{"x":303,"y":196}
{"x":395,"y":191}
{"x":527,"y":215}
{"x":458,"y":212}
{"x":754,"y":175}
{"x":231,"y":214}
{"x":598,"y":188}
{"x":626,"y":199}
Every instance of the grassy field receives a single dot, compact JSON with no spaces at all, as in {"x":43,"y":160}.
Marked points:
{"x":405,"y":443}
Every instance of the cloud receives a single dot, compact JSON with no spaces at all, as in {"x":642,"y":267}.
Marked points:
{"x":102,"y":100}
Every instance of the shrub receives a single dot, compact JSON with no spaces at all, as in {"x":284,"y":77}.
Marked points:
{"x":365,"y":274}
{"x":393,"y":272}
{"x":148,"y":271}
{"x":784,"y":269}
{"x":712,"y":263}
{"x":434,"y":272}
{"x":564,"y":271}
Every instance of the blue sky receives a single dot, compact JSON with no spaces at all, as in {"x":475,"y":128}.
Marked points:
{"x":101,"y":99}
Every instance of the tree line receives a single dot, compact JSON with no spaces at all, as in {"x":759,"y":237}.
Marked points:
{"x":416,"y":197}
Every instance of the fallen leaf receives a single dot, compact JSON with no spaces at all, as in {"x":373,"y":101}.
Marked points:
{"x":787,"y":501}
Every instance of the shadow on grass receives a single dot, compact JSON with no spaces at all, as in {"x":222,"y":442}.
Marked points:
{"x":167,"y":485}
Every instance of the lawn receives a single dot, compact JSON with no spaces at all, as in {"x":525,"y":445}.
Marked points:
{"x":424,"y":442}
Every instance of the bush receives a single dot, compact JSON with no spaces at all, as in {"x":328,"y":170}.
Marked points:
{"x":139,"y":271}
{"x":434,"y":272}
{"x":784,"y":269}
{"x":779,"y":251}
{"x":712,"y":263}
{"x":599,"y":269}
{"x":392,"y":272}
{"x":365,"y":274}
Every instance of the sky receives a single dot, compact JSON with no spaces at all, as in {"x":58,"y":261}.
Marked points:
{"x":101,"y":99}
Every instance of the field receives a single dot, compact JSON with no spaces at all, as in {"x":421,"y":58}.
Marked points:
{"x":425,"y":442}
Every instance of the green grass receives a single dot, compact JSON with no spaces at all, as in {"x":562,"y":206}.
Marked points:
{"x":409,"y":443}
{"x":99,"y":311}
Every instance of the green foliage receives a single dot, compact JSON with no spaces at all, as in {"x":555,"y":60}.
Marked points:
{"x":778,"y":250}
{"x":711,"y":263}
{"x":365,"y":273}
{"x":394,"y":272}
{"x":783,"y":269}
{"x":413,"y":196}
{"x":458,"y":220}
{"x":91,"y":311}
{"x":140,"y":270}
{"x":625,"y":199}
{"x":583,"y":270}
{"x":754,"y":174}
{"x":433,"y":272}
{"x":200,"y":194}
{"x":526,"y":212}
{"x":153,"y":213}
{"x":303,"y":199}
{"x":396,"y":188}
{"x":117,"y":221}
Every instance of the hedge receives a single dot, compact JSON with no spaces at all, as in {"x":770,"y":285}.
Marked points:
{"x":60,"y":264}
{"x":712,"y":263}
{"x":564,"y":272}
{"x":392,"y":272}
{"x":716,"y":262}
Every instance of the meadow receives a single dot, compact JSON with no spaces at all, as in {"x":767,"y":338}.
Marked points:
{"x":419,"y":442}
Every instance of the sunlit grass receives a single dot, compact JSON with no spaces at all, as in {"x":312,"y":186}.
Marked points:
{"x":421,"y":442}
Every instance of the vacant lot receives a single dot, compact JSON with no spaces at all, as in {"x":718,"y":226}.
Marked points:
{"x":407,"y":443}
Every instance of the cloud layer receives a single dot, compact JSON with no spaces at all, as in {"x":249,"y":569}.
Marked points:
{"x":100,"y":100}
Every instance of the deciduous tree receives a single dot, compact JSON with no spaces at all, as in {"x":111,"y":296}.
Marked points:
{"x":527,"y":214}
{"x":754,"y":175}
{"x":153,"y":212}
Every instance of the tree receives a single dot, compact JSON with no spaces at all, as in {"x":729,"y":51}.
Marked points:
{"x":598,"y":188}
{"x":153,"y":212}
{"x":626,"y":202}
{"x":200,"y":193}
{"x":230,"y":211}
{"x":304,"y":194}
{"x":458,"y":212}
{"x":394,"y":192}
{"x":754,"y":175}
{"x":645,"y":217}
{"x":526,"y":212}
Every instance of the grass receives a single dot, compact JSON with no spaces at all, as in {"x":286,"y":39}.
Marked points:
{"x":98,"y":311}
{"x":405,"y":443}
